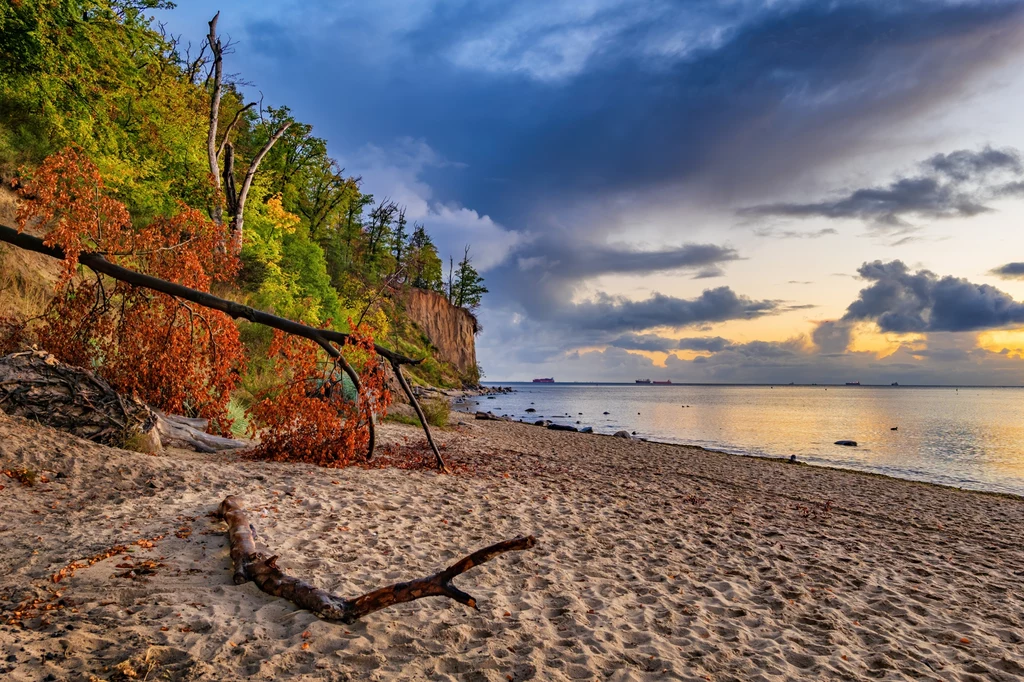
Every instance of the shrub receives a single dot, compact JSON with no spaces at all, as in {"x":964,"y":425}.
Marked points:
{"x":309,"y":418}
{"x":437,"y":411}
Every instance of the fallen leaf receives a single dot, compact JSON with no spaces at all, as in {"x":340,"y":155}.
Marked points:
{"x":307,"y":634}
{"x":964,"y":640}
{"x":305,"y":646}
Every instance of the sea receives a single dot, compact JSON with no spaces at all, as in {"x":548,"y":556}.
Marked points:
{"x":965,"y":437}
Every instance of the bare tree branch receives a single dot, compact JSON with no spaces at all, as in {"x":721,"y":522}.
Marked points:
{"x":251,"y":564}
{"x":227,"y":131}
{"x":211,"y":138}
{"x":243,"y":194}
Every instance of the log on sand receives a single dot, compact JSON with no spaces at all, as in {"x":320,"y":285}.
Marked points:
{"x":252,"y":564}
{"x":35,"y":385}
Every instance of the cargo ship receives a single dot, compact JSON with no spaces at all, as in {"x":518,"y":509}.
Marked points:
{"x":643,"y":381}
{"x":548,"y":380}
{"x":853,"y":383}
{"x":666,"y":382}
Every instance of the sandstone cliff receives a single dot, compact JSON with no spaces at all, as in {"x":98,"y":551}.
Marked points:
{"x":452,"y":330}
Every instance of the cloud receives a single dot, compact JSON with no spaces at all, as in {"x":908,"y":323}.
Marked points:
{"x":832,"y":337}
{"x":774,"y":233}
{"x":1009,"y":271}
{"x":617,"y":313}
{"x":664,"y":344}
{"x":960,"y":184}
{"x":397,"y":171}
{"x":711,"y":344}
{"x":645,"y":342}
{"x":581,"y":260}
{"x":902,"y":301}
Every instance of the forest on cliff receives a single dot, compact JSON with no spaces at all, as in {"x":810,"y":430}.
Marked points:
{"x":99,"y":77}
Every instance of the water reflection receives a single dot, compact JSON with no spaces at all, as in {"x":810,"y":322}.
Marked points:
{"x":973,"y":438}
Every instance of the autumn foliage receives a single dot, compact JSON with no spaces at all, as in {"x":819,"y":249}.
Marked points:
{"x":312,"y":417}
{"x":177,"y":357}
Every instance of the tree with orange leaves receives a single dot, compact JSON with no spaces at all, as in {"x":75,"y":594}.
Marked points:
{"x":174,"y":356}
{"x":313,"y":416}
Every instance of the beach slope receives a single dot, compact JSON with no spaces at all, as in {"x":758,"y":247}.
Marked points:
{"x":653,"y":562}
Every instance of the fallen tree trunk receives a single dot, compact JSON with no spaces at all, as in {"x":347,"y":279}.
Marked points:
{"x":35,"y":385}
{"x":251,"y":564}
{"x":323,"y":337}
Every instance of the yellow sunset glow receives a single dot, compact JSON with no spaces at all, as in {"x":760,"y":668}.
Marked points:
{"x":1009,"y":339}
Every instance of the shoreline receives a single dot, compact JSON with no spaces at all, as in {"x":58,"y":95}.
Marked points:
{"x":822,"y":464}
{"x":976,"y":485}
{"x":654,"y":561}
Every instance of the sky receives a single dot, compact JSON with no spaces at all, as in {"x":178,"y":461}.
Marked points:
{"x":736,"y":191}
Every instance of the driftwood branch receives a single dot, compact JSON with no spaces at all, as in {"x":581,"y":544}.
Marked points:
{"x":99,"y":264}
{"x":252,"y":564}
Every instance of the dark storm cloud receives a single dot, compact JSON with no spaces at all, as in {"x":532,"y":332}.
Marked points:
{"x":831,"y":337}
{"x":711,"y":344}
{"x":902,"y":301}
{"x":543,"y":105}
{"x":581,"y":260}
{"x":646,"y":342}
{"x":616,"y":313}
{"x":955,"y":185}
{"x":1009,"y":271}
{"x":657,"y":343}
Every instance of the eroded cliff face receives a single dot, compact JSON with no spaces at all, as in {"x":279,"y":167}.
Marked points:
{"x":451,"y":329}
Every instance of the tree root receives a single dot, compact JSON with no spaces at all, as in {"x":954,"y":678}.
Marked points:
{"x":35,"y":385}
{"x":251,"y":564}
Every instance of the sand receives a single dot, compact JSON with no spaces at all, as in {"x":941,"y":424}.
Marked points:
{"x":654,"y":562}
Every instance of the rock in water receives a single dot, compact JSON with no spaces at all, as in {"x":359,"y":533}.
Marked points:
{"x":562,"y":427}
{"x":587,"y":429}
{"x":530,"y":410}
{"x":622,"y":434}
{"x":847,"y":443}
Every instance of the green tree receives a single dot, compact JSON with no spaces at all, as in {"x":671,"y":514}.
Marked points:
{"x":423,"y":263}
{"x":466,"y":290}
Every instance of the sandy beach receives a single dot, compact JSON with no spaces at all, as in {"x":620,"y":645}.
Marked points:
{"x":653,"y":562}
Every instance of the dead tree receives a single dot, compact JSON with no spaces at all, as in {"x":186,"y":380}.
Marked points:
{"x":234,"y":199}
{"x":323,"y":337}
{"x":252,"y":564}
{"x":34,"y":385}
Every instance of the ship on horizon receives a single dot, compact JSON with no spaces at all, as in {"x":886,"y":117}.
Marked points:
{"x":547,"y":380}
{"x":853,"y":383}
{"x":643,"y":381}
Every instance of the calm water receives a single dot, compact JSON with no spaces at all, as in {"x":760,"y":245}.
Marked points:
{"x":970,"y":437}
